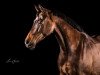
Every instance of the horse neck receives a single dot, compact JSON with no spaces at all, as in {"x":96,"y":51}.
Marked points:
{"x":67,"y":36}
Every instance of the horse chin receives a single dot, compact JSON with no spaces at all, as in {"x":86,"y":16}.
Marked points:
{"x":32,"y":48}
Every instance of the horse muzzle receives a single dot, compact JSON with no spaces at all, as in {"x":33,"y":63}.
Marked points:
{"x":30,"y":45}
{"x":30,"y":42}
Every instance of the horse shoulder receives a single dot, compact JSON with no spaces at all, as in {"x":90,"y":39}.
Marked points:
{"x":90,"y":56}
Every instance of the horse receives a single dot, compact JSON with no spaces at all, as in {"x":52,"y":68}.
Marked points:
{"x":79,"y":53}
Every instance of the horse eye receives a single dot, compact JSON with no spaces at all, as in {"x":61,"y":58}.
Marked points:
{"x":41,"y":17}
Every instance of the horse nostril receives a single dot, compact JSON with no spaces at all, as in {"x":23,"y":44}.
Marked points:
{"x":27,"y":41}
{"x":30,"y":44}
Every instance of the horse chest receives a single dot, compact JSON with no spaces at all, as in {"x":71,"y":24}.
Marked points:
{"x":66,"y":68}
{"x":63,"y":64}
{"x":63,"y":68}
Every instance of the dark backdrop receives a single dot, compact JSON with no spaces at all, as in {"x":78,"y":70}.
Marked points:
{"x":16,"y":20}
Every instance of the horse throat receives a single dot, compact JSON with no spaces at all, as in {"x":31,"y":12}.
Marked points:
{"x":68,"y":37}
{"x":61,"y":38}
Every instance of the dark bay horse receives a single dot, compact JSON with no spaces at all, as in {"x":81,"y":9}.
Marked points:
{"x":79,"y":52}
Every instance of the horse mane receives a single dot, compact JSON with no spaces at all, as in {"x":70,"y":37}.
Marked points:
{"x":68,"y":20}
{"x":88,"y":40}
{"x":74,"y":24}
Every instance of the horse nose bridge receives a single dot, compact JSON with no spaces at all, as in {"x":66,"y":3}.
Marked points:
{"x":28,"y":38}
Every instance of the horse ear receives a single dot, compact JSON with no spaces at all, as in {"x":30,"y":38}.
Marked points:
{"x":36,"y":8}
{"x":43,"y":9}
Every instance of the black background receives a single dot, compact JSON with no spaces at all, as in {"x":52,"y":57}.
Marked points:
{"x":16,"y":21}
